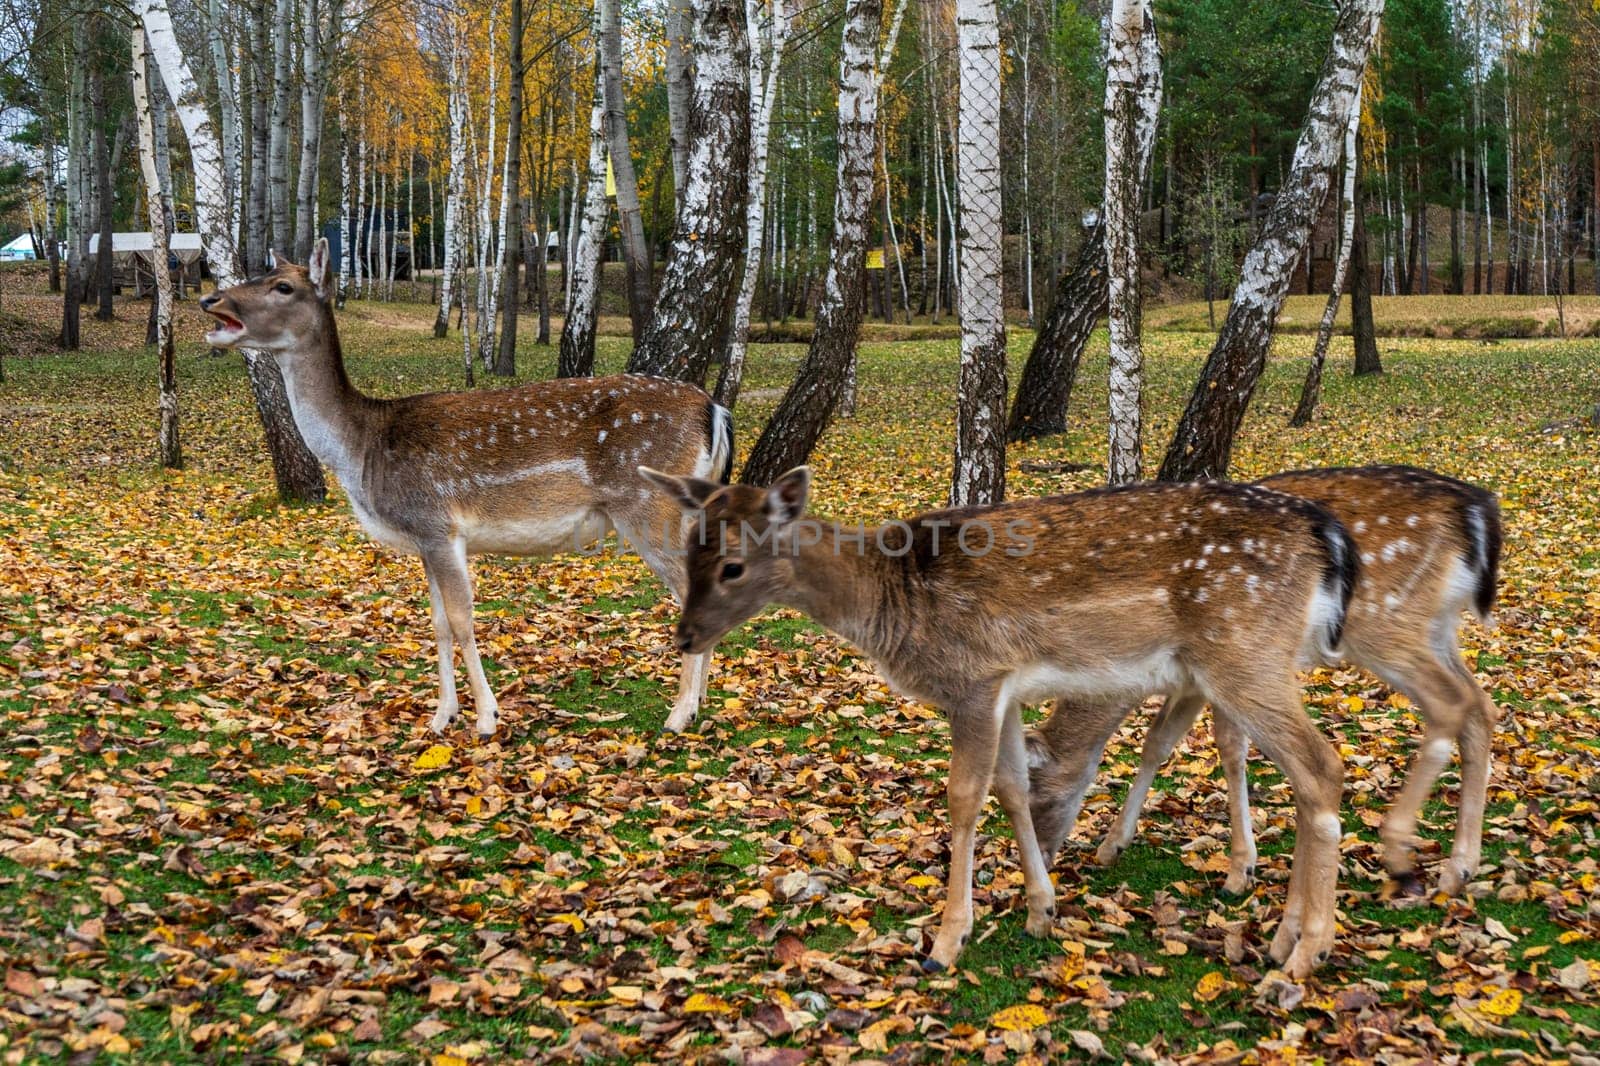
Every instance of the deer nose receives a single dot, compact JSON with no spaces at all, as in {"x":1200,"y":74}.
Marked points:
{"x":683,"y":637}
{"x":208,"y":302}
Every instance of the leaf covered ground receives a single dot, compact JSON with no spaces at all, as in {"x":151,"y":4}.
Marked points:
{"x":226,"y":834}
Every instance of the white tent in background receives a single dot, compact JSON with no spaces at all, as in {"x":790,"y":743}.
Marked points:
{"x":20,"y":248}
{"x":134,"y":253}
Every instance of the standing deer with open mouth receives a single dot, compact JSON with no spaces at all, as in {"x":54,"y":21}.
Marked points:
{"x":1101,"y":597}
{"x":531,"y":470}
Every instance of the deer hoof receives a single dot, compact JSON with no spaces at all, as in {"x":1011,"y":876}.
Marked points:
{"x":1108,"y":854}
{"x":1408,"y":884}
{"x":932,"y":965}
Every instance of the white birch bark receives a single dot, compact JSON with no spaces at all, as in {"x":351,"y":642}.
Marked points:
{"x":485,"y":324}
{"x":228,"y":104}
{"x":979,"y":475}
{"x":690,"y":321}
{"x":457,"y":183}
{"x":576,"y":358}
{"x":159,"y":210}
{"x":1126,"y":383}
{"x":278,"y":144}
{"x":321,"y":22}
{"x":346,"y":209}
{"x":295,"y":469}
{"x":769,"y":36}
{"x":680,"y":91}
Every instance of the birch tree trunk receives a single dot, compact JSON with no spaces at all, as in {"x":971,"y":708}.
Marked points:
{"x":485,"y":315}
{"x":1311,"y":390}
{"x":979,"y":475}
{"x":690,"y":321}
{"x":52,"y":241}
{"x":635,"y":252}
{"x":228,"y":104}
{"x":320,"y":41}
{"x":256,"y":236}
{"x":457,"y":106}
{"x":72,"y":298}
{"x":295,"y":469}
{"x":576,"y":357}
{"x":680,"y":91}
{"x":278,"y":235}
{"x":1123,"y":299}
{"x":505,"y":359}
{"x":807,"y":407}
{"x":1051,"y":372}
{"x":103,"y":268}
{"x":765,"y":61}
{"x":1203,"y":443}
{"x":158,"y":207}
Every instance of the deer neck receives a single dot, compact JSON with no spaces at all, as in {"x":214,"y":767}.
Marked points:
{"x":329,"y":412}
{"x":844,"y":583}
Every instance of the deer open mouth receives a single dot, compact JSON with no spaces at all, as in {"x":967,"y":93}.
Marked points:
{"x":228,"y":331}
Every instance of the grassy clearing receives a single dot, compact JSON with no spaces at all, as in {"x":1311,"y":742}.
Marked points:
{"x":215,"y":841}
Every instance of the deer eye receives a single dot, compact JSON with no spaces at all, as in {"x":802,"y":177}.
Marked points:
{"x":732,"y":571}
{"x":284,"y":287}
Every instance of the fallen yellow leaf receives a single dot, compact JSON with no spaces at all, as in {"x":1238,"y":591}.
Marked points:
{"x":434,"y":758}
{"x":1210,"y":986}
{"x":1022,"y":1016}
{"x":1503,"y":1004}
{"x":700,"y":1003}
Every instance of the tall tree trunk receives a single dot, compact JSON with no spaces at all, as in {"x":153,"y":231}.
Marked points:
{"x":1051,"y":372}
{"x":1203,"y":443}
{"x":317,"y":50}
{"x":690,"y":322}
{"x":1363,"y":335}
{"x":505,"y":361}
{"x":298,"y":476}
{"x":680,"y":90}
{"x":158,"y":207}
{"x":256,"y":217}
{"x":979,"y":474}
{"x":278,"y":235}
{"x":635,"y":252}
{"x":228,"y":106}
{"x":1311,"y":390}
{"x":766,"y":57}
{"x":72,"y":298}
{"x":457,"y":186}
{"x":808,"y":405}
{"x":1123,"y":300}
{"x":576,"y":357}
{"x":104,"y":270}
{"x":52,"y":239}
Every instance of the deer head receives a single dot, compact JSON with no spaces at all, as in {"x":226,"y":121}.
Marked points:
{"x":743,"y":558}
{"x":277,"y":311}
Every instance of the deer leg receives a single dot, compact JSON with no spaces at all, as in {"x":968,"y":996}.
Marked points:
{"x":454,"y":581}
{"x":449,"y":703}
{"x":1233,"y":750}
{"x":1169,"y":726}
{"x":1441,"y":698}
{"x":1477,"y":736}
{"x":640,"y":531}
{"x":1074,"y":737}
{"x":1011,"y":786}
{"x":1273,"y":715}
{"x":974,"y":738}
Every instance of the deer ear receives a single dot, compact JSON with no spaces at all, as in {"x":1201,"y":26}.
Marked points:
{"x":691,"y":493}
{"x":787,"y":496}
{"x":320,"y":269}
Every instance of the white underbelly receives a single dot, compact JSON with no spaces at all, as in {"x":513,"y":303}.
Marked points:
{"x":543,"y":535}
{"x":1125,"y":678}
